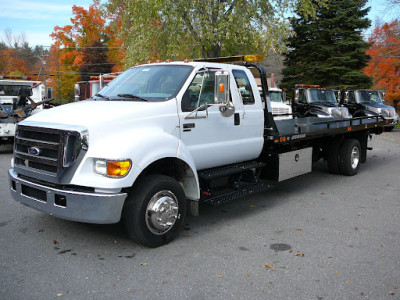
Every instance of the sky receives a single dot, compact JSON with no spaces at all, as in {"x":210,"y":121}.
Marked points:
{"x":36,"y":19}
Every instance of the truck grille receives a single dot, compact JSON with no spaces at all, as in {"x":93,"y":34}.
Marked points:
{"x":280,"y":111}
{"x":387,"y":113}
{"x":45,"y":153}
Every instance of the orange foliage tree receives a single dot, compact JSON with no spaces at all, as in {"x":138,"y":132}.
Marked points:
{"x":384,"y":65}
{"x":11,"y":64}
{"x":88,"y":30}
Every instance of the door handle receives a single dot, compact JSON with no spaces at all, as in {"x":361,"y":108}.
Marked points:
{"x":237,"y":119}
{"x":188,"y":126}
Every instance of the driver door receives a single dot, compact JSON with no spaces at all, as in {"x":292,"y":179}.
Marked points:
{"x":212,"y":139}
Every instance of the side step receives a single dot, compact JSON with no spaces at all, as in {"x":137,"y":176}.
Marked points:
{"x":243,"y":192}
{"x":213,"y":173}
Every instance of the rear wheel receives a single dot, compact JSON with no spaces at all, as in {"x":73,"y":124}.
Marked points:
{"x":155,"y":210}
{"x":349,"y":157}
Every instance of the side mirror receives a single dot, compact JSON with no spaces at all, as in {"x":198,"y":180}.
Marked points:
{"x":221,"y":93}
{"x":346,"y":98}
{"x":221,"y":90}
{"x":101,"y":81}
{"x":296,"y":97}
{"x":77,"y":91}
{"x":49,"y":93}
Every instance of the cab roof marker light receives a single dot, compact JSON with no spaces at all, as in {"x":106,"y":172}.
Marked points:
{"x":252,"y":58}
{"x":307,"y":85}
{"x":232,"y":59}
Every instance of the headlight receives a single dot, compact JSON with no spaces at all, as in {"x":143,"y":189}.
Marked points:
{"x":112,"y":168}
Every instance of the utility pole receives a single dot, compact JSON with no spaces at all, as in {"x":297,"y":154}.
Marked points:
{"x":43,"y":67}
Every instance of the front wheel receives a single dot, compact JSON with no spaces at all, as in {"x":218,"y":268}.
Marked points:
{"x":155,"y":210}
{"x":349,"y":157}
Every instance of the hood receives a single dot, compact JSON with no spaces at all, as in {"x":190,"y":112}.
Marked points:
{"x":102,"y":117}
{"x":322,"y":105}
{"x":380,"y":108}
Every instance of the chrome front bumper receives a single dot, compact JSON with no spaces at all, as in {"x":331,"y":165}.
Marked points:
{"x":69,"y":205}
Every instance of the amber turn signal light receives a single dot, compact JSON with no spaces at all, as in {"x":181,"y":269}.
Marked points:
{"x":118,"y":168}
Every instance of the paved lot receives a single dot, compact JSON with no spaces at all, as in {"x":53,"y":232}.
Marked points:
{"x":319,"y":236}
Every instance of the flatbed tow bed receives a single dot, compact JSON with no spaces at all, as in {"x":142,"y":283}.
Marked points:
{"x":301,"y":129}
{"x":281,"y":149}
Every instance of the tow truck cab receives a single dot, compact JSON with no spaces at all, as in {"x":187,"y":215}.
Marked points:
{"x":279,"y":108}
{"x":314,"y":101}
{"x":365,"y":102}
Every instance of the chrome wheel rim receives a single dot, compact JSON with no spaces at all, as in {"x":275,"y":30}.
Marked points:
{"x":162,"y":212}
{"x":355,"y":157}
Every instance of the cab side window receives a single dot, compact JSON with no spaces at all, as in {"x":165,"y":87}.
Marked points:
{"x":302,"y":96}
{"x":243,"y":84}
{"x":351,"y":98}
{"x":200,"y":91}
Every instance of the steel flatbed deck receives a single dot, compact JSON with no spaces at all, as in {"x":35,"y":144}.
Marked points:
{"x":301,"y":129}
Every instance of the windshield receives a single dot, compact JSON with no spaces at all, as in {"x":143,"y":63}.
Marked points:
{"x":146,"y":83}
{"x":368,"y":97}
{"x":10,"y":90}
{"x":321,"y":95}
{"x":275,"y":96}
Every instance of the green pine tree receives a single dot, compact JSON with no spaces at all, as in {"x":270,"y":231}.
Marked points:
{"x":329,"y":50}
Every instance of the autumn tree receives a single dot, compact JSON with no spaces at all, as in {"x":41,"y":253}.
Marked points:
{"x":17,"y":58}
{"x":94,"y":61}
{"x":161,"y":29}
{"x":329,"y":50}
{"x":384,"y":66}
{"x":76,"y":42}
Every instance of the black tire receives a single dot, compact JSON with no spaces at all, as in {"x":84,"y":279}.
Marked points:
{"x":145,"y":220}
{"x":349,"y":158}
{"x":333,"y":156}
{"x":389,"y":128}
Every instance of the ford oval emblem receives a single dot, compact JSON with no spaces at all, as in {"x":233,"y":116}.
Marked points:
{"x":34,"y":151}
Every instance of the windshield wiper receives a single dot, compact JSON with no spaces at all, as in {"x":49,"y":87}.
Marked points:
{"x":131,"y":96}
{"x":101,"y":96}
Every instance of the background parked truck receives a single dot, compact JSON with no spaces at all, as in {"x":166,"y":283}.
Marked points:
{"x":313,"y":100}
{"x":365,"y":102}
{"x":18,"y":100}
{"x":87,"y":89}
{"x":162,"y":138}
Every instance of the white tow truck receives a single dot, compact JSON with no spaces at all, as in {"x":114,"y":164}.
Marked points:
{"x":19,"y":98}
{"x":279,"y":108}
{"x":162,"y":138}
